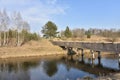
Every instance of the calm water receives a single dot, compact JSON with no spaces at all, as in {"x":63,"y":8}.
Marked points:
{"x":56,"y":69}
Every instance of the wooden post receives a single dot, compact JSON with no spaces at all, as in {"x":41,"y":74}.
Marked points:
{"x":93,"y":55}
{"x":78,"y":53}
{"x":82,"y":52}
{"x":99,"y":57}
{"x":119,"y":60}
{"x":70,"y":52}
{"x":82,"y":55}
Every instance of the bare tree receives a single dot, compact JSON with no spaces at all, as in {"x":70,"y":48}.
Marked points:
{"x":25,"y":28}
{"x":17,"y":20}
{"x":5,"y":23}
{"x":13,"y":25}
{"x":0,"y":28}
{"x":78,"y":33}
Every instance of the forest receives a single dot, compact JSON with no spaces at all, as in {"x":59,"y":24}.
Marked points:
{"x":14,"y":31}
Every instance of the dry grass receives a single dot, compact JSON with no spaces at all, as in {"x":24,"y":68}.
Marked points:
{"x":93,"y":38}
{"x":32,"y":48}
{"x":42,"y":47}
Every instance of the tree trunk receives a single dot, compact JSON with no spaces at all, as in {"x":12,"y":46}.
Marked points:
{"x":22,"y":41}
{"x":18,"y":37}
{"x":7,"y":35}
{"x":0,"y":40}
{"x":4,"y":43}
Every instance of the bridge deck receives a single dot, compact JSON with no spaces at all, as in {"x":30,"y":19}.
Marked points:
{"x":96,"y":46}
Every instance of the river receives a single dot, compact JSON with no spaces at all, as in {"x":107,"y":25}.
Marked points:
{"x":55,"y":68}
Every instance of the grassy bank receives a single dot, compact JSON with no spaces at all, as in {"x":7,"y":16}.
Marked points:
{"x":31,"y":49}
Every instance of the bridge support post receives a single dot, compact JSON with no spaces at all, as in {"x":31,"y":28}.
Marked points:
{"x":82,"y":55}
{"x":99,"y":57}
{"x":119,"y":60}
{"x":82,"y":52}
{"x":93,"y":55}
{"x":71,"y":52}
{"x":78,"y":53}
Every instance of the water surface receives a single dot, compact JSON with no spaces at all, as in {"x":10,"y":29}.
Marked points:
{"x":56,"y":69}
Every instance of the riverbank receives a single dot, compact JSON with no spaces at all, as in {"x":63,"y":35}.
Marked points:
{"x":37,"y":49}
{"x":31,"y":49}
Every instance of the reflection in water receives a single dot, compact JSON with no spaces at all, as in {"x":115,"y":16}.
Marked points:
{"x":71,"y":52}
{"x":27,"y":65}
{"x":16,"y":71}
{"x":58,"y":69}
{"x":90,"y":66}
{"x":50,"y":68}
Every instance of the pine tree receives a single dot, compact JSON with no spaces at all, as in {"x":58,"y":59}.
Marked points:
{"x":49,"y":30}
{"x":68,"y":32}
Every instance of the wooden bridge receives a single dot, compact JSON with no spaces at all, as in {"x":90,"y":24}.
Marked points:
{"x":92,"y":46}
{"x":96,"y":46}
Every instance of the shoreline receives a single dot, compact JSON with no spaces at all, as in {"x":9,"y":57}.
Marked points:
{"x":31,"y":49}
{"x":44,"y":54}
{"x":24,"y":53}
{"x":31,"y":55}
{"x":37,"y":49}
{"x":30,"y":58}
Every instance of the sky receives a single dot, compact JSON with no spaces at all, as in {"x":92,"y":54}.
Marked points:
{"x":101,"y":14}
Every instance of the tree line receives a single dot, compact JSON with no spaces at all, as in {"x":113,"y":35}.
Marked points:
{"x":50,"y":30}
{"x":14,"y":30}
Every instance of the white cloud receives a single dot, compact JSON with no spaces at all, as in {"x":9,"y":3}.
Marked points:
{"x":13,"y":2}
{"x":51,"y":1}
{"x":36,"y":12}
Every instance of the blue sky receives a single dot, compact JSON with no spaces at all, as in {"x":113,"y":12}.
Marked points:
{"x":102,"y":14}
